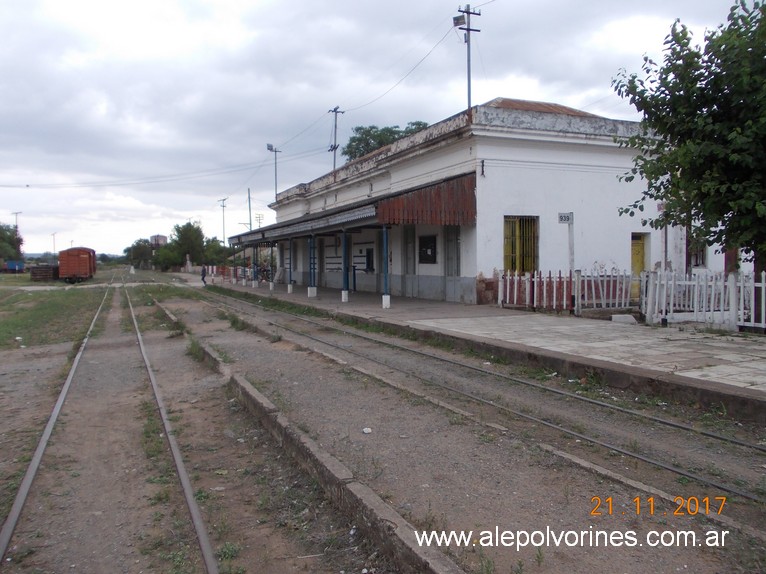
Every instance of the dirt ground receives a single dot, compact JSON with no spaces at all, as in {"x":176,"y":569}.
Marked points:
{"x":102,"y":505}
{"x":443,"y":472}
{"x":104,"y":501}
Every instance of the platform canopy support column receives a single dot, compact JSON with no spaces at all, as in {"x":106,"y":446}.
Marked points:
{"x":344,"y":267}
{"x":312,"y":289}
{"x":386,"y":295}
{"x":253,"y":266}
{"x":272,"y":268}
{"x":290,"y":266}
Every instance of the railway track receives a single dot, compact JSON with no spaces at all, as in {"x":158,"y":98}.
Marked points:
{"x":107,"y":489}
{"x":672,"y":458}
{"x":496,"y":432}
{"x":72,"y":406}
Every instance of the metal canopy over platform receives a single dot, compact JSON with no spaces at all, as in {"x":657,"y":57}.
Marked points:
{"x":448,"y":202}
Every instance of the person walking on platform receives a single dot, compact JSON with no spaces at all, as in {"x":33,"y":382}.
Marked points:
{"x":204,"y":274}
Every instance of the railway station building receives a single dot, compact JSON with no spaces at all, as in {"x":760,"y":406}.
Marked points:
{"x":507,"y":185}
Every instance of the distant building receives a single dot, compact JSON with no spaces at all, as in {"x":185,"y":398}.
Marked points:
{"x":158,"y":241}
{"x":491,"y":189}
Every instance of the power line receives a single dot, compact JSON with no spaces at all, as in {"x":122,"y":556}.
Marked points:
{"x":225,"y":170}
{"x":138,"y":181}
{"x":403,"y":77}
{"x":303,"y":131}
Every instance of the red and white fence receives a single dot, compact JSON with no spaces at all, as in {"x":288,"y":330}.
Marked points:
{"x":720,"y":300}
{"x":570,"y":291}
{"x":716,"y":299}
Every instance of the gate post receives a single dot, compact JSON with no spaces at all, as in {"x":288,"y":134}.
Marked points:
{"x":731,"y":284}
{"x":650,"y":297}
{"x":577,"y":293}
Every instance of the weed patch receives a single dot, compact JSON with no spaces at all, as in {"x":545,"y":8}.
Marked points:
{"x":47,"y":317}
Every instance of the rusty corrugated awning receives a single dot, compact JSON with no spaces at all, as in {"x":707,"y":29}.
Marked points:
{"x":450,"y":202}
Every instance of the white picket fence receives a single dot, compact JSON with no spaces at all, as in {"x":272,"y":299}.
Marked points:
{"x":565,"y":291}
{"x":719,"y":300}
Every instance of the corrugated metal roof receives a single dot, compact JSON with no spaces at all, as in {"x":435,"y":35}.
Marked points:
{"x":448,"y":202}
{"x":531,"y":106}
{"x":451,"y":202}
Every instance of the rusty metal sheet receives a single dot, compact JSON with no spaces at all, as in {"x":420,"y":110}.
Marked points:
{"x":450,"y":202}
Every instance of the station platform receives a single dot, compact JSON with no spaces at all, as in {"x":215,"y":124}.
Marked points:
{"x":682,"y":362}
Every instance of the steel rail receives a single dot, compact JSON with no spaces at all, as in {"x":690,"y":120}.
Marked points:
{"x":507,"y":410}
{"x":206,"y":548}
{"x":29,"y":476}
{"x":532,"y":384}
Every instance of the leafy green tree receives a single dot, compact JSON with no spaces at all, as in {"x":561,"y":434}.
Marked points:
{"x":414,"y":127}
{"x":215,"y":252}
{"x":10,"y":242}
{"x":188,"y":239}
{"x":367,"y":139}
{"x":168,"y":256}
{"x":139,"y":254}
{"x":702,"y":141}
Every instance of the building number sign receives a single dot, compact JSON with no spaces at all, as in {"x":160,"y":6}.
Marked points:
{"x":567,"y":217}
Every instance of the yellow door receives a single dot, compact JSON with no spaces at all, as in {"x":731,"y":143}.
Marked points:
{"x":637,"y":259}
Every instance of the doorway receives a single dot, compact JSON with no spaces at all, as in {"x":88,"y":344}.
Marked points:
{"x":638,"y":249}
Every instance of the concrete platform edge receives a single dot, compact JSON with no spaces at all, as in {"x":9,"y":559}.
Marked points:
{"x":740,"y":403}
{"x":381,"y":523}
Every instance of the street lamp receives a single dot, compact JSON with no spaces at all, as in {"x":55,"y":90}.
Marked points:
{"x":271,"y":148}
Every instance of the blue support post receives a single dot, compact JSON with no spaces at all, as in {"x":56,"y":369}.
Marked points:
{"x":386,"y":295}
{"x":344,"y":268}
{"x":254,"y":267}
{"x":290,"y":267}
{"x":271,"y":267}
{"x":312,"y":290}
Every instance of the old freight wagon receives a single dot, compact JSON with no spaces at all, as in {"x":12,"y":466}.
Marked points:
{"x":77,"y":264}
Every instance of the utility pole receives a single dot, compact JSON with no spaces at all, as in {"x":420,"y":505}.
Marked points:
{"x":259,"y":218}
{"x":275,"y":151}
{"x":17,"y":213}
{"x":334,"y":147}
{"x":464,"y":23}
{"x":223,"y":211}
{"x":249,"y":209}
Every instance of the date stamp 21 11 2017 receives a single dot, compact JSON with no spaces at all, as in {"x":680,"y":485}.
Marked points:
{"x":646,"y":506}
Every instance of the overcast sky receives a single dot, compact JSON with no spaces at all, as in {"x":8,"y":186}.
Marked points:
{"x":121,"y":119}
